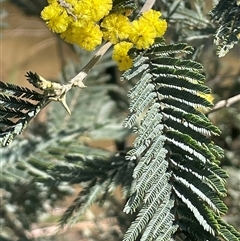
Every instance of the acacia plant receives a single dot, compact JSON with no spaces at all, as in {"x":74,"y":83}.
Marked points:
{"x":170,"y":175}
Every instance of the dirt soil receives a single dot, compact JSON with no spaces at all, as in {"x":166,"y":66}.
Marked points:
{"x":27,"y":44}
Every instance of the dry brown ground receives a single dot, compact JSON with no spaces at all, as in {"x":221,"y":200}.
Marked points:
{"x":27,"y":44}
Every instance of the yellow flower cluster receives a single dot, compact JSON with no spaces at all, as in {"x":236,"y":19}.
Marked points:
{"x":140,"y":34}
{"x":120,"y":55}
{"x":76,"y":20}
{"x":88,"y":22}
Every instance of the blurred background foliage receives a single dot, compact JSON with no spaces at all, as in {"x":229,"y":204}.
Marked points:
{"x":30,"y":209}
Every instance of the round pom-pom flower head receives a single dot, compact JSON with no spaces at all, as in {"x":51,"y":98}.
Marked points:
{"x":120,"y":55}
{"x":56,"y":17}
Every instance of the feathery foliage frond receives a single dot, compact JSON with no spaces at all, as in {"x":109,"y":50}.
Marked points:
{"x":227,"y":14}
{"x":102,"y":176}
{"x":18,"y":105}
{"x":122,"y":6}
{"x":177,"y":165}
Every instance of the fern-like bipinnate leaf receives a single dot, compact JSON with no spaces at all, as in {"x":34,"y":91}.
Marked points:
{"x":18,"y":105}
{"x":227,"y":14}
{"x":104,"y":174}
{"x":178,"y":183}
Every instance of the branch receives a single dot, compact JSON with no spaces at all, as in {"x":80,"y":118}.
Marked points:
{"x":147,"y":5}
{"x":225,"y":103}
{"x":77,"y":80}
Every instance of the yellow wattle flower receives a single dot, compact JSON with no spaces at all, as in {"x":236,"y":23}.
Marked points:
{"x":88,"y":37}
{"x":56,"y":17}
{"x":153,"y":18}
{"x":120,"y":55}
{"x":116,"y":27}
{"x":69,"y":35}
{"x":100,"y":9}
{"x":142,"y":34}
